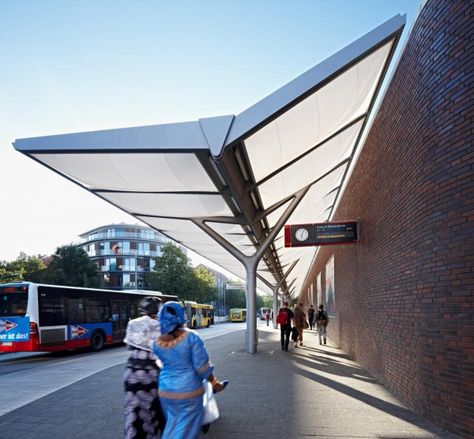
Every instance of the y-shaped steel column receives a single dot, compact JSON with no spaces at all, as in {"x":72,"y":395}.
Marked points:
{"x":275,"y":290}
{"x":250,"y":263}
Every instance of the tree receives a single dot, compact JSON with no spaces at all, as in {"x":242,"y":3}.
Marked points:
{"x":267,"y":302}
{"x":71,"y":266}
{"x":205,"y":291}
{"x":259,"y":302}
{"x":172,"y":273}
{"x":235,"y":299}
{"x":23,"y":268}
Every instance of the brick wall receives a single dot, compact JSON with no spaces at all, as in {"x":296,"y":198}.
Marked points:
{"x":404,"y":294}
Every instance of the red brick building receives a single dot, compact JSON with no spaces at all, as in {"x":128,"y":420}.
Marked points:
{"x":404,"y":295}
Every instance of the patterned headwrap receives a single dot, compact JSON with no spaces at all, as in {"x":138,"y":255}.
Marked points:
{"x":170,"y":316}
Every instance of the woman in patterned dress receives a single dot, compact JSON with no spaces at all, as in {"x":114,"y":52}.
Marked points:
{"x":143,"y":415}
{"x":185,"y":364}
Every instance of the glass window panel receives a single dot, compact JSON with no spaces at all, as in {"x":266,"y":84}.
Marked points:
{"x":51,"y":311}
{"x":75,"y":310}
{"x":97,"y":310}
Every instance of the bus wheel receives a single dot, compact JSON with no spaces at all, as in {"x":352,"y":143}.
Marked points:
{"x":97,"y":341}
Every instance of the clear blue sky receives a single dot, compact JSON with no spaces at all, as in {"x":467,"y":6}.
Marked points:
{"x":70,"y":66}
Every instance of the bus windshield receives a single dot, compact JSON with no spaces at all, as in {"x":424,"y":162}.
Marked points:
{"x":13,"y":300}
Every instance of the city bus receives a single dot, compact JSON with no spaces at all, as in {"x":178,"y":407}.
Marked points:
{"x":263,"y":312}
{"x":38,"y":317}
{"x":237,"y":314}
{"x":199,"y":314}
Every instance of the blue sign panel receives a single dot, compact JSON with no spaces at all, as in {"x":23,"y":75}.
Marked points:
{"x":14,"y":329}
{"x":81,"y":331}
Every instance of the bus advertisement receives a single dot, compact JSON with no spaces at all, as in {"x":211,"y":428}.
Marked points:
{"x":37,"y":317}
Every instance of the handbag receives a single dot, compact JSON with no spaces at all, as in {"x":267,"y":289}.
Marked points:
{"x":211,"y":411}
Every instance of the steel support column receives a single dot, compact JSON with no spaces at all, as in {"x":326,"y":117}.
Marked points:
{"x":251,"y":262}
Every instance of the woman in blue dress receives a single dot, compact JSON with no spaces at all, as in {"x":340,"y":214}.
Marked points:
{"x":185,"y":364}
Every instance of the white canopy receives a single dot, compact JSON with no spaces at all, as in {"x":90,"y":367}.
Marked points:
{"x":237,"y":174}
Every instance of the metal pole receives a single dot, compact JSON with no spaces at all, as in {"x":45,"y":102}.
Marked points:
{"x":250,"y":262}
{"x":252,"y":338}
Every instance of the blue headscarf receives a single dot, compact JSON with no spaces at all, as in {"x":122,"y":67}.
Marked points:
{"x":170,"y":316}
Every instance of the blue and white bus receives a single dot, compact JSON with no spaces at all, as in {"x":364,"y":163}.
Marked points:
{"x":38,"y":317}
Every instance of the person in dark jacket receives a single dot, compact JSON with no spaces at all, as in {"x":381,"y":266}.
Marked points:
{"x":285,"y":316}
{"x":311,"y":316}
{"x":321,"y":319}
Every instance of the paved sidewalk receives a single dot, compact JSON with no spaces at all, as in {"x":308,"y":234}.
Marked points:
{"x":313,"y":391}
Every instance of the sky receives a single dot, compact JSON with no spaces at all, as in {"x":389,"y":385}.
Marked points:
{"x":72,"y":66}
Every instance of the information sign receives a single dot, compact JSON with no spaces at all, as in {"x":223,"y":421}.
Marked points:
{"x":330,"y":233}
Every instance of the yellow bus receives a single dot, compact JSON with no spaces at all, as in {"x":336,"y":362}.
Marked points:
{"x":199,"y":314}
{"x":237,"y":314}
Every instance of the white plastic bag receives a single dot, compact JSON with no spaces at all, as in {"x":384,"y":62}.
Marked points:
{"x":211,"y":411}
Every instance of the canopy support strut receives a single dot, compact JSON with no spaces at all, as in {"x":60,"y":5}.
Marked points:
{"x":251,"y":262}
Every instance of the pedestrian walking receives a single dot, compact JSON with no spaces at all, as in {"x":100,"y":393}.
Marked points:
{"x":267,"y":317}
{"x":284,"y":318}
{"x":143,"y":415}
{"x":185,"y":365}
{"x":311,"y":316}
{"x":322,"y":321}
{"x":300,"y":322}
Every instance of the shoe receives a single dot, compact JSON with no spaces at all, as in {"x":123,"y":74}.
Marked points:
{"x":296,"y":345}
{"x":324,"y":341}
{"x":282,"y":348}
{"x":301,"y":344}
{"x":286,"y":349}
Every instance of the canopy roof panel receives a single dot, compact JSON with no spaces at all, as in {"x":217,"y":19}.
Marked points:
{"x":237,"y":174}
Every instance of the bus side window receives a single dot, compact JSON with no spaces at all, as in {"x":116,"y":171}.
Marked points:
{"x":97,"y":311}
{"x":75,"y":308}
{"x":52,"y":311}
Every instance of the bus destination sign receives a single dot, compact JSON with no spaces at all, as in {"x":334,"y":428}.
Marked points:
{"x":305,"y":235}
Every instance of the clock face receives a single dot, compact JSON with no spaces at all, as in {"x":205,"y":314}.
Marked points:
{"x":301,"y":234}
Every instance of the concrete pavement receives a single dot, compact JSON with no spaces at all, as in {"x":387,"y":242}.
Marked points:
{"x":313,"y":391}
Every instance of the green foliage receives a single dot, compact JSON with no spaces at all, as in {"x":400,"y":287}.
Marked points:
{"x":205,"y":291}
{"x":235,"y":299}
{"x":267,"y":302}
{"x":172,"y":273}
{"x":24,"y":268}
{"x":71,"y":266}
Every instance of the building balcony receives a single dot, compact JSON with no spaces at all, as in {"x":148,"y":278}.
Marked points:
{"x":126,"y":253}
{"x":120,"y":236}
